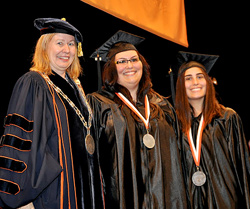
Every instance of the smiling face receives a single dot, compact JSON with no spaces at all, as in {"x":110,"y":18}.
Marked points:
{"x":195,"y":84}
{"x":61,"y":52}
{"x":130,"y":73}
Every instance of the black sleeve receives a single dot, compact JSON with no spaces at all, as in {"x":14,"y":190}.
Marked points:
{"x":27,"y":166}
{"x":240,"y":156}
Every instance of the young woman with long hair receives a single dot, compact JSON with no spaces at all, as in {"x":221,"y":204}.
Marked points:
{"x":215,"y":156}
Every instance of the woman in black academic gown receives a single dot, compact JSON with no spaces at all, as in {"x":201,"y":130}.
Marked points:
{"x":48,"y":156}
{"x":215,"y":154}
{"x":137,"y":132}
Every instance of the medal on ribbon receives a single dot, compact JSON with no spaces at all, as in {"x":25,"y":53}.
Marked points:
{"x":89,"y":141}
{"x":148,"y":139}
{"x":198,"y":178}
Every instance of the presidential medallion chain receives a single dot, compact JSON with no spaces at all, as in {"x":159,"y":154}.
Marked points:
{"x":86,"y":124}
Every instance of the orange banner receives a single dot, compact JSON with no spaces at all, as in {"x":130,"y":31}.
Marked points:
{"x":165,"y":18}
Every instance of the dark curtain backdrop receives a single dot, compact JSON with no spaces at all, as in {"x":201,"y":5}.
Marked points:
{"x":214,"y":27}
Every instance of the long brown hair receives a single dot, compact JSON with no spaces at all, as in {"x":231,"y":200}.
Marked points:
{"x":110,"y":78}
{"x":211,"y":106}
{"x":41,"y":63}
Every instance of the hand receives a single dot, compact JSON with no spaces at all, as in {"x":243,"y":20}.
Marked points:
{"x":29,"y":206}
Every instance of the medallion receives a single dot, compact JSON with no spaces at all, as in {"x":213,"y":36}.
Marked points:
{"x":199,"y":178}
{"x":148,"y":141}
{"x":90,"y":144}
{"x":89,"y":141}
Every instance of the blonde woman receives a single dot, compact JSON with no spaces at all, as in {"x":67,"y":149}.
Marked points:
{"x":47,"y":152}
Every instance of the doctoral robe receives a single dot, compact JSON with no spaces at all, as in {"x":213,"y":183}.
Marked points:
{"x":42,"y":155}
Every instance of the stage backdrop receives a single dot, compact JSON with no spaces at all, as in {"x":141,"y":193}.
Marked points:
{"x":165,"y":18}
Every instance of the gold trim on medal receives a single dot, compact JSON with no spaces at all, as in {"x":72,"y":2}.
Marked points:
{"x":90,"y":144}
{"x":199,"y":178}
{"x":148,"y":141}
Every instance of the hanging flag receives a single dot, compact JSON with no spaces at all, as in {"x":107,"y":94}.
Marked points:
{"x":165,"y":18}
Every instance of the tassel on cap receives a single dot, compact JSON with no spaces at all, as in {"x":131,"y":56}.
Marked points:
{"x":54,"y":25}
{"x":79,"y":50}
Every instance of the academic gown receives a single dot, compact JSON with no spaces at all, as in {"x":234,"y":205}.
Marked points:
{"x":135,"y":176}
{"x":225,"y":162}
{"x":42,"y":156}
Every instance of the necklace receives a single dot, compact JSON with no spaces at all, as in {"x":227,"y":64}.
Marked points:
{"x":148,"y":139}
{"x":89,"y":141}
{"x":198,"y":178}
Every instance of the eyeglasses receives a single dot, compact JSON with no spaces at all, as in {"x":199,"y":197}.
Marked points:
{"x":124,"y":62}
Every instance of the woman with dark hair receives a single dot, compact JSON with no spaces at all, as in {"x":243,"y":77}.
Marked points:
{"x":215,"y":155}
{"x":137,"y":132}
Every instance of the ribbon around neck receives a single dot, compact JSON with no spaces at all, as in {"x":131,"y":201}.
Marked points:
{"x":196,"y":152}
{"x":134,"y":109}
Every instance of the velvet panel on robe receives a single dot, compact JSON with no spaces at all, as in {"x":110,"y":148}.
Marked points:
{"x":225,"y":162}
{"x":133,"y":175}
{"x":38,"y":115}
{"x":86,"y":166}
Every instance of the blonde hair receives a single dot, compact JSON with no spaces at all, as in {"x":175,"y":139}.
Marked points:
{"x":41,"y":62}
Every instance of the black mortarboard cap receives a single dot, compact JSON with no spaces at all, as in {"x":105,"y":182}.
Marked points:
{"x":109,"y":48}
{"x":206,"y":60}
{"x":186,"y":60}
{"x":55,"y":25}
